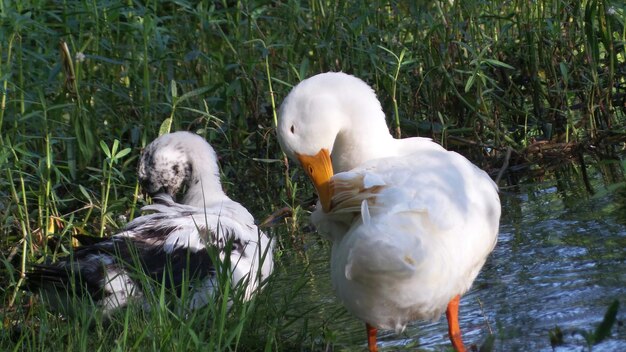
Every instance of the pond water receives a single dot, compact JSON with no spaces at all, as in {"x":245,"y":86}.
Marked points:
{"x":560,"y":261}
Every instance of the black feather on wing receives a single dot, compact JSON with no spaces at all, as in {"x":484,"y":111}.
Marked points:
{"x":83,"y":272}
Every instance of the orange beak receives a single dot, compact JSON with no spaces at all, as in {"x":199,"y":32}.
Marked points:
{"x":319,"y":168}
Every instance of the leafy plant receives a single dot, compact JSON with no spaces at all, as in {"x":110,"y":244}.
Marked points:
{"x":109,"y":173}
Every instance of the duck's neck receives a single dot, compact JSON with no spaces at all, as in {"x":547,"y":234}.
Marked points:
{"x":204,"y":188}
{"x":362,"y":140}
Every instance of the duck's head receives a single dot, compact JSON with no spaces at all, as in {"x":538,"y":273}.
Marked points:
{"x":172,"y":162}
{"x":329,"y":114}
{"x":310,"y":119}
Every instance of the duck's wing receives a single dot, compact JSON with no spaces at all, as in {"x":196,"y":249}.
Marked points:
{"x":196,"y":226}
{"x":225,"y":210}
{"x":168,"y":245}
{"x":420,"y":207}
{"x":112,"y":271}
{"x":227,"y":226}
{"x":442,"y":185}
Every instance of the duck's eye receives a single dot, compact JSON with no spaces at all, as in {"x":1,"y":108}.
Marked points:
{"x":293,"y":129}
{"x":310,"y":170}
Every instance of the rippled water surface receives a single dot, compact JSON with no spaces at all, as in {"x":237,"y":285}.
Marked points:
{"x":560,"y":261}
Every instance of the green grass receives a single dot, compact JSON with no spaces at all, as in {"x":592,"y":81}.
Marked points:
{"x":80,"y":77}
{"x":277,"y":319}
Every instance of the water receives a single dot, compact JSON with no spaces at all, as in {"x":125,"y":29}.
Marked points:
{"x":560,"y":261}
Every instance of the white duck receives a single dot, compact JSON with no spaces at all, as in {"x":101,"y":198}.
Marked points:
{"x":411,"y":223}
{"x":172,"y":241}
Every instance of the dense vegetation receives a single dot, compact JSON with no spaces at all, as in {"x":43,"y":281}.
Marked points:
{"x":84,"y":85}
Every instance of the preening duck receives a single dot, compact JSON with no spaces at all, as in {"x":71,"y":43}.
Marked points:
{"x":172,"y":242}
{"x":411,"y":223}
{"x":184,"y":163}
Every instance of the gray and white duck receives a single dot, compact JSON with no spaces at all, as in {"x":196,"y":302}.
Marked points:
{"x":170,"y":242}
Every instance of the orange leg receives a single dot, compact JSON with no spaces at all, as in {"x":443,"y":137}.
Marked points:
{"x":371,"y":338}
{"x":454,"y":330}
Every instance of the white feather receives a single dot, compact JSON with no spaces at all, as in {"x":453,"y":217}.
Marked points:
{"x":118,"y":289}
{"x":411,"y":223}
